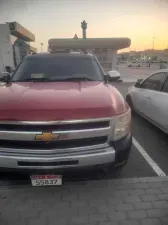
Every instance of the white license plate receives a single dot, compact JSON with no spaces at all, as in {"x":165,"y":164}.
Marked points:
{"x":46,"y":180}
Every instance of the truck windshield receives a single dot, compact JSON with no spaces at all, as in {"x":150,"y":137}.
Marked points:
{"x":58,"y":68}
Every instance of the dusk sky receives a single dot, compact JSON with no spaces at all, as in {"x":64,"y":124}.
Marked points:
{"x":139,"y":20}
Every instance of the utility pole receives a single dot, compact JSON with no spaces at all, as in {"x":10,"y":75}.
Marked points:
{"x":1,"y":56}
{"x":153,"y":43}
{"x":41,"y":47}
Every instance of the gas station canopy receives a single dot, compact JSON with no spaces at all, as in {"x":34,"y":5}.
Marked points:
{"x":20,"y":32}
{"x":89,"y":43}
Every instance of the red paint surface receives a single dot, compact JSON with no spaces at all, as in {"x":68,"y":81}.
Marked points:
{"x":39,"y":101}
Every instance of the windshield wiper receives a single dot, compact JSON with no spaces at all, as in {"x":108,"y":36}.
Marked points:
{"x":78,"y":79}
{"x":33,"y":79}
{"x":54,"y":80}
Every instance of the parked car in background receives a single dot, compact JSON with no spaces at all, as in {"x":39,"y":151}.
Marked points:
{"x":163,"y":64}
{"x":149,"y":98}
{"x":134,"y":64}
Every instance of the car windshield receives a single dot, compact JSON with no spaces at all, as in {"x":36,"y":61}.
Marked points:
{"x":58,"y":68}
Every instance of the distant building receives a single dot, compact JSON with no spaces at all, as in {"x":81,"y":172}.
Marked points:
{"x":146,"y":55}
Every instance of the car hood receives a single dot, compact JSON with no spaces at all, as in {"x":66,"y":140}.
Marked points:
{"x":39,"y":101}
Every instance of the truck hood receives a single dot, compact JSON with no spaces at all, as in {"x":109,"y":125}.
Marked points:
{"x":39,"y":101}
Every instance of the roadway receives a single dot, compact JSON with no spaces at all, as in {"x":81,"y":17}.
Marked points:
{"x":132,"y":74}
{"x":149,"y":155}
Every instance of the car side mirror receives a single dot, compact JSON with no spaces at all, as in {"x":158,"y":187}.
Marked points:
{"x":113,"y":75}
{"x":106,"y":77}
{"x":138,"y":83}
{"x":8,"y":69}
{"x":5,"y":77}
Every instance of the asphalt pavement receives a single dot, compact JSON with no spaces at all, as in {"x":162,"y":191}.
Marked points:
{"x":132,"y":74}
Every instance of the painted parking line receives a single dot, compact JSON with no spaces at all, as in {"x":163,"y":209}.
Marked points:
{"x":149,"y":160}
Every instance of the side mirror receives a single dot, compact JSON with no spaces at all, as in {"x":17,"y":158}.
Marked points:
{"x":8,"y":69}
{"x":113,"y":75}
{"x":106,"y":77}
{"x":138,"y":83}
{"x":5,"y":77}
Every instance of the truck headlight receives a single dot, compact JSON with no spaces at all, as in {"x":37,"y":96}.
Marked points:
{"x":122,"y":125}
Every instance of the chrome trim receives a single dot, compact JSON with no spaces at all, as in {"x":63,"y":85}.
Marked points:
{"x":63,"y":135}
{"x":18,"y":135}
{"x":106,"y":156}
{"x":47,"y":152}
{"x":12,"y":122}
{"x":86,"y":155}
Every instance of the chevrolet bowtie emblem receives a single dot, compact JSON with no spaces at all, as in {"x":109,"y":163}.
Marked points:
{"x":46,"y":137}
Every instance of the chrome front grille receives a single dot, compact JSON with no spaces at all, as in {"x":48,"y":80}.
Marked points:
{"x":54,"y":127}
{"x":73,"y":135}
{"x":64,"y":144}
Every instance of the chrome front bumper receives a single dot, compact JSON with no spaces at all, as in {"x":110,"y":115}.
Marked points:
{"x":20,"y":146}
{"x":79,"y":143}
{"x":101,"y":156}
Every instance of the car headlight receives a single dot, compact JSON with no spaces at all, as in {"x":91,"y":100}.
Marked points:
{"x":122,"y":125}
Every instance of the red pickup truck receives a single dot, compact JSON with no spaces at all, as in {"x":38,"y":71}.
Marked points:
{"x":58,"y":111}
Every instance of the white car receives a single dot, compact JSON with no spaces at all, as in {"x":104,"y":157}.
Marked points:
{"x":149,"y":98}
{"x":134,"y":64}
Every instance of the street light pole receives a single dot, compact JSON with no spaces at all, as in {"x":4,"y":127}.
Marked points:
{"x":2,"y":61}
{"x":154,"y":43}
{"x":41,"y":47}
